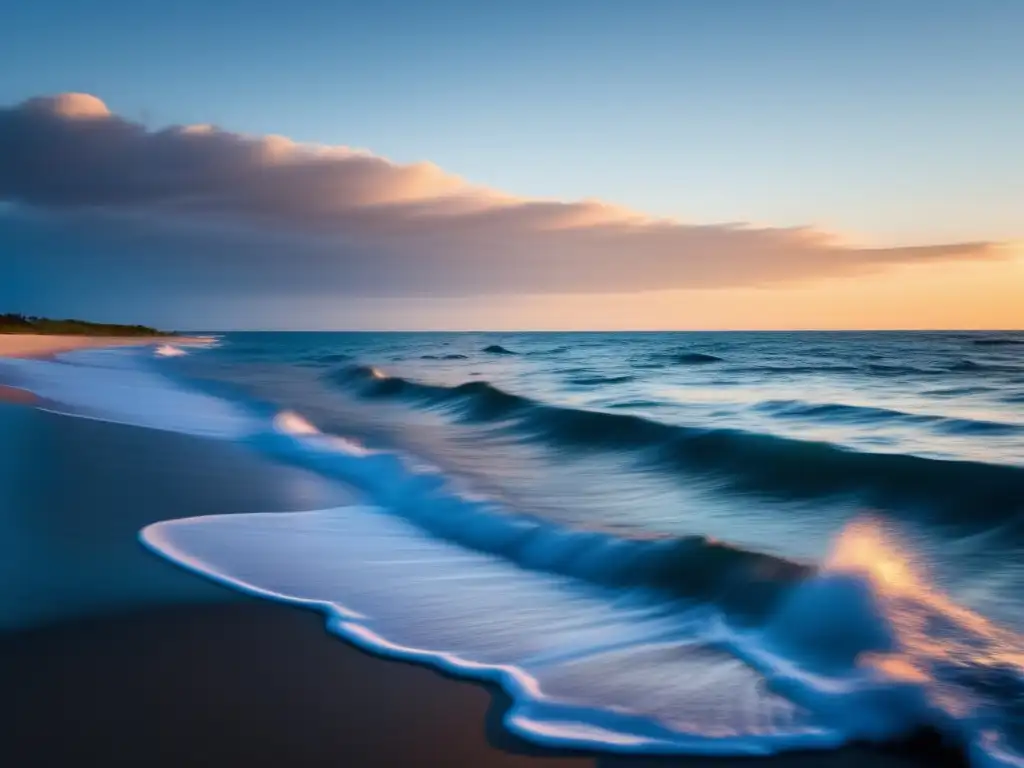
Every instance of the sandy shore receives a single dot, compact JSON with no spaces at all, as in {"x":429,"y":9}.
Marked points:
{"x":41,"y":345}
{"x":44,"y":345}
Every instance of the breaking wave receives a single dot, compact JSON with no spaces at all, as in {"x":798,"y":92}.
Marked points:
{"x":839,"y":412}
{"x":959,"y":490}
{"x":797,"y":656}
{"x":659,"y":644}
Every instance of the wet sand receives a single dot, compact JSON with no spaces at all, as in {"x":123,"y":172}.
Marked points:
{"x":75,"y":493}
{"x":111,"y":656}
{"x":257,"y":684}
{"x":233,"y":685}
{"x":16,"y":395}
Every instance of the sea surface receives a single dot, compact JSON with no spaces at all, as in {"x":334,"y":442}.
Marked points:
{"x":701,"y":543}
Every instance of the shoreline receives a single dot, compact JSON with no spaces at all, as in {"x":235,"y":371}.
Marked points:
{"x":253,"y":683}
{"x":119,"y":643}
{"x":135,"y":661}
{"x":17,"y":395}
{"x":40,"y":345}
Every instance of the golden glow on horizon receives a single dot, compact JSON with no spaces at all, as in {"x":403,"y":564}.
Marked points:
{"x":949,"y":295}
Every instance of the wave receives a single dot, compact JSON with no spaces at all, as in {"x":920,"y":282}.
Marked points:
{"x":967,"y":366}
{"x":898,"y":369}
{"x":122,"y":386}
{"x":788,"y":370}
{"x":964,"y":491}
{"x":831,"y":411}
{"x":973,"y":366}
{"x":696,"y":358}
{"x":976,"y":427}
{"x":626,"y":644}
{"x":857,"y":414}
{"x":324,"y":360}
{"x":693,"y":567}
{"x":637,"y":404}
{"x":497,"y":349}
{"x":957,"y":391}
{"x":546,"y":352}
{"x":614,"y":670}
{"x":444,"y":357}
{"x":894,"y":370}
{"x":848,"y":651}
{"x":960,"y":366}
{"x":597,"y":381}
{"x":998,"y":342}
{"x":660,"y":360}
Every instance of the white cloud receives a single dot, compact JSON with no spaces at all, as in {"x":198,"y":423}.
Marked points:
{"x":266,"y":213}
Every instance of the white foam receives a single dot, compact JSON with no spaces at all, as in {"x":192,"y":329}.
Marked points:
{"x":169,"y":350}
{"x":587,"y":667}
{"x":117,"y":385}
{"x":628,"y":670}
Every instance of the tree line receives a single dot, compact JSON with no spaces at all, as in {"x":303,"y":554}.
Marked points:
{"x":13,"y":322}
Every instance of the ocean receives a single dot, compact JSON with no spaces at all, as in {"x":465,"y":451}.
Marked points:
{"x":679,"y":543}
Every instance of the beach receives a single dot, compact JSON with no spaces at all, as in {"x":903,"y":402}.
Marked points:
{"x":133,"y":660}
{"x":136,"y":662}
{"x":41,"y":345}
{"x":511,"y":385}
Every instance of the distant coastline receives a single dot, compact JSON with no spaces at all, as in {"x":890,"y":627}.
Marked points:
{"x":27,"y":324}
{"x":27,"y":336}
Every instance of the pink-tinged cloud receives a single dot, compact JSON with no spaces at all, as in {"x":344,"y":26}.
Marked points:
{"x":331,"y":218}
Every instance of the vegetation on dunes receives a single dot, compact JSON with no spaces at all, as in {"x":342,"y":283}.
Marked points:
{"x":15,"y":323}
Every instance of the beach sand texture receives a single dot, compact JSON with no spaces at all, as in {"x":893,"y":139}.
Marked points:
{"x":41,"y":345}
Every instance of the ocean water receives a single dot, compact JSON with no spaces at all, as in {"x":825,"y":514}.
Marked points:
{"x":720,"y":543}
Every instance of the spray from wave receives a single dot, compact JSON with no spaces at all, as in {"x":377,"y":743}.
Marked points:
{"x":169,"y":350}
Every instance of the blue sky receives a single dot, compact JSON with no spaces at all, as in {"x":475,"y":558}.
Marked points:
{"x":896,"y":121}
{"x":886,"y":124}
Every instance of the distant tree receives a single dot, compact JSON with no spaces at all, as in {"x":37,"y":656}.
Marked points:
{"x":12,"y":322}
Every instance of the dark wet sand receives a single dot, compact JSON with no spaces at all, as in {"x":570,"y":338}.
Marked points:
{"x":113,"y":657}
{"x":252,"y":684}
{"x":74,"y":494}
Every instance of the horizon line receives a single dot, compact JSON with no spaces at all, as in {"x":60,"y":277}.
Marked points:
{"x":619,"y":330}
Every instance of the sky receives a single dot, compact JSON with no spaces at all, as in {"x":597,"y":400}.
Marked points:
{"x":682,"y":164}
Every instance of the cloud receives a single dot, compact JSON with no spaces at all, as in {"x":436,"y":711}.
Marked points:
{"x":197,"y":203}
